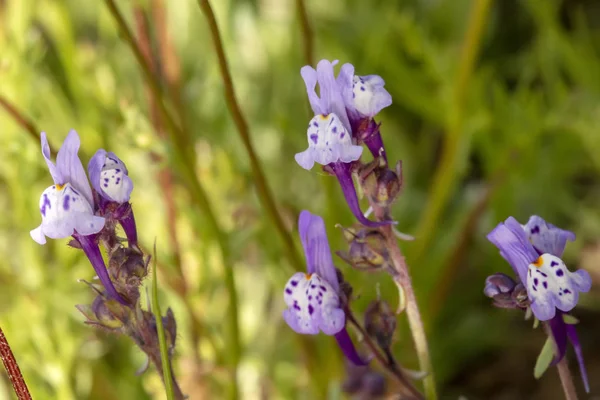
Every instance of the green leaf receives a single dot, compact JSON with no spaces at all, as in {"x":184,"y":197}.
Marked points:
{"x":569,"y":319}
{"x":544,"y":359}
{"x":164,"y":351}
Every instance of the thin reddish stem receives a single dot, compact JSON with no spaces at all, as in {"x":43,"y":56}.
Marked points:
{"x":12,"y":369}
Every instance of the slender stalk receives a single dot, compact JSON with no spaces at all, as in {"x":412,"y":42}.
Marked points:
{"x":22,"y":120}
{"x":445,"y":175}
{"x":566,"y":379}
{"x":12,"y":369}
{"x":393,"y":369}
{"x":264,"y":191}
{"x":164,"y":351}
{"x":307,"y":34}
{"x":402,"y":278}
{"x":186,"y":165}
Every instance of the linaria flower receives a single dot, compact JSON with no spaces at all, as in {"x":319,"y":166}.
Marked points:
{"x":110,"y":179}
{"x":67,"y":207}
{"x":364,"y":98}
{"x":314,"y":298}
{"x":534,"y":251}
{"x":330,"y":140}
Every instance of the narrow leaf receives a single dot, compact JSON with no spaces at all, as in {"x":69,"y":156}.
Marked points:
{"x":164,"y":351}
{"x":569,"y":319}
{"x":544,"y":359}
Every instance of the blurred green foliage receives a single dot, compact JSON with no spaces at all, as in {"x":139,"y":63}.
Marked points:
{"x":527,"y":143}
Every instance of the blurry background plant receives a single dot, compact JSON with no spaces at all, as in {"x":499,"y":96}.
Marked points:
{"x":516,"y":134}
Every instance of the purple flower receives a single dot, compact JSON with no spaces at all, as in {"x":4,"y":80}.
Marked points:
{"x":109,"y":178}
{"x":534,"y":251}
{"x":67,"y":207}
{"x":313,"y":298}
{"x":330,"y":140}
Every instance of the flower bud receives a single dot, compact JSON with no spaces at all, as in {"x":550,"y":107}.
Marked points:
{"x":505,"y":292}
{"x":381,"y":184}
{"x":380,"y":323}
{"x":367,"y":249}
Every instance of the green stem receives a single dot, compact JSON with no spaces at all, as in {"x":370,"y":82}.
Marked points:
{"x":186,"y":165}
{"x":264,"y":192}
{"x":164,"y":351}
{"x":307,"y":35}
{"x":401,"y":277}
{"x":446,"y":172}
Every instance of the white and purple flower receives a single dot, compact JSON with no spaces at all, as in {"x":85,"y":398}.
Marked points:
{"x":329,"y":133}
{"x":67,"y":207}
{"x":110,"y":179}
{"x":313,"y":298}
{"x":534,"y":251}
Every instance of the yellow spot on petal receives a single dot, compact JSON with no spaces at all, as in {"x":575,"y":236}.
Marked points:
{"x":60,"y":187}
{"x":307,"y":276}
{"x":539,"y":262}
{"x":323,"y":116}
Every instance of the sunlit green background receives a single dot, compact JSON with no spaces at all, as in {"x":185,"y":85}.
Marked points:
{"x":517,"y":134}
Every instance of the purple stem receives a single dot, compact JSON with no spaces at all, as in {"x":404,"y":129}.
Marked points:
{"x":128,"y":224}
{"x":92,"y":251}
{"x":348,"y":348}
{"x":343,"y":173}
{"x":572,"y":333}
{"x":559,"y":332}
{"x":375,"y":144}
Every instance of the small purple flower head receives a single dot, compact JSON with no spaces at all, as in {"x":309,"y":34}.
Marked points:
{"x":66,"y":206}
{"x":109,"y":178}
{"x":313,"y":298}
{"x":550,"y":285}
{"x":329,"y":132}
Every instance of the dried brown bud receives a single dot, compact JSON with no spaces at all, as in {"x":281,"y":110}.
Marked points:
{"x":367,"y":249}
{"x":381,"y":184}
{"x":380,"y":323}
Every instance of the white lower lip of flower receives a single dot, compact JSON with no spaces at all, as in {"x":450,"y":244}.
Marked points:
{"x":64,"y":210}
{"x":328,"y":141}
{"x":313,"y":305}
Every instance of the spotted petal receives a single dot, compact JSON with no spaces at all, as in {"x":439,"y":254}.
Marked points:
{"x":65,"y":210}
{"x":550,"y":285}
{"x":328,"y":142}
{"x":369,"y":95}
{"x":510,"y":238}
{"x":109,"y":177}
{"x":313,"y":305}
{"x":547,"y":238}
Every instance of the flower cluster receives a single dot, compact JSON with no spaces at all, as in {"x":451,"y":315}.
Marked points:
{"x":343,"y":121}
{"x":70,"y":208}
{"x":90,"y":214}
{"x":544,"y":284}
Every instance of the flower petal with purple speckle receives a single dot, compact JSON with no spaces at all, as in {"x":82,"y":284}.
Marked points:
{"x":547,"y":238}
{"x":109,"y":177}
{"x":369,"y":96}
{"x":313,"y":305}
{"x":550,"y":285}
{"x":329,"y":141}
{"x":64,"y":210}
